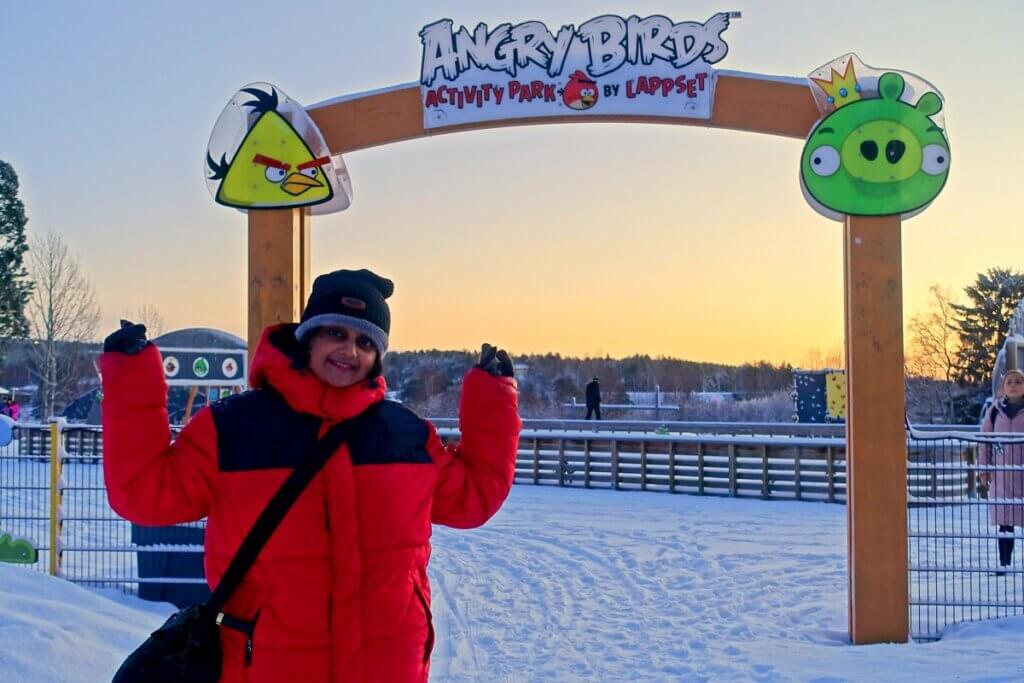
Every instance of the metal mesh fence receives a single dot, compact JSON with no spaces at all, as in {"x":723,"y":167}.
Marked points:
{"x":954,"y":529}
{"x":96,"y":546}
{"x":25,"y":490}
{"x":963,"y":564}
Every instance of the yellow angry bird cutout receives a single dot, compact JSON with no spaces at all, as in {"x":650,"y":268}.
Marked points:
{"x":835,"y":395}
{"x":279,"y":158}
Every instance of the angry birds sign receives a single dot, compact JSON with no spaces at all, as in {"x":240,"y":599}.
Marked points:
{"x":880,"y":150}
{"x":580,"y":92}
{"x":265,"y":152}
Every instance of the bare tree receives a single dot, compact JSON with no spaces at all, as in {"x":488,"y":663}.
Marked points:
{"x":934,"y":344}
{"x":149,"y":316}
{"x":816,"y":359}
{"x":63,"y":314}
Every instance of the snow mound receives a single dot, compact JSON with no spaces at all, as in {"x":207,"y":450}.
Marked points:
{"x":53,"y":630}
{"x":574,"y":585}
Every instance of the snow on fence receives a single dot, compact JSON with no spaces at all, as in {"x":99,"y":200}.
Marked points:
{"x":766,"y":467}
{"x":951,"y":544}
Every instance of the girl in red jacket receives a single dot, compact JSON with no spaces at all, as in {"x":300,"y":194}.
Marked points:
{"x":340,"y":592}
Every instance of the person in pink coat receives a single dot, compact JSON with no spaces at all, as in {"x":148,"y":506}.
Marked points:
{"x":1005,"y":416}
{"x":11,"y":408}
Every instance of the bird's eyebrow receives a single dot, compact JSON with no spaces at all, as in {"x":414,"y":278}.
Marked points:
{"x":267,"y":161}
{"x":321,"y":161}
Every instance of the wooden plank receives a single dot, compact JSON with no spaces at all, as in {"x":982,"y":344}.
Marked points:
{"x":278,"y":269}
{"x":876,"y":452}
{"x":745,"y":103}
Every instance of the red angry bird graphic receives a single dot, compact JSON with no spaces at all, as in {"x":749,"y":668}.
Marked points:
{"x":580,"y":92}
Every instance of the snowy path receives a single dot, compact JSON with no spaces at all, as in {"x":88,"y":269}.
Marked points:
{"x":570,"y":585}
{"x":595,"y":585}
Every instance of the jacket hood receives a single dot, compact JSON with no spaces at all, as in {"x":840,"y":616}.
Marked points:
{"x":279,"y":364}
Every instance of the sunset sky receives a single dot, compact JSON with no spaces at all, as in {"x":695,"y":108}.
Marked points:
{"x":585,"y":240}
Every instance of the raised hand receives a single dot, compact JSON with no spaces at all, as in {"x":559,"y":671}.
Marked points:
{"x":495,"y":361}
{"x":129,"y":339}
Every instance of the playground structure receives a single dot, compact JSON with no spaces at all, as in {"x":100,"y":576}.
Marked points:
{"x":911,"y":141}
{"x":202,"y":359}
{"x":279,"y":278}
{"x":819,"y":396}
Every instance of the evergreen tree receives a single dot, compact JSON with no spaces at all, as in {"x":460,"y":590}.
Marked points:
{"x":15,"y":286}
{"x":982,"y":323}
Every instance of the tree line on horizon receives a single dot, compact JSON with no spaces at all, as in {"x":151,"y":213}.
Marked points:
{"x":49,"y":318}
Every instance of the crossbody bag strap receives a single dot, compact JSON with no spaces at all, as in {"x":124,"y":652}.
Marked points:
{"x":279,"y":505}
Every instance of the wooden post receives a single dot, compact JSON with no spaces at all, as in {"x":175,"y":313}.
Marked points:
{"x":536,"y":460}
{"x":830,"y":475}
{"x":192,"y":392}
{"x":562,"y":465}
{"x":876,"y":448}
{"x":615,"y":464}
{"x":643,"y":465}
{"x":765,"y":492}
{"x":672,"y":466}
{"x":733,"y":485}
{"x":700,"y":468}
{"x":279,"y":279}
{"x":586,"y":463}
{"x":797,"y":483}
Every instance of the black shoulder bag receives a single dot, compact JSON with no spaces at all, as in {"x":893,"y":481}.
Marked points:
{"x":187,"y":646}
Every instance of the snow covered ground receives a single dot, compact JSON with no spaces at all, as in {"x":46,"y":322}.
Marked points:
{"x":568,"y":585}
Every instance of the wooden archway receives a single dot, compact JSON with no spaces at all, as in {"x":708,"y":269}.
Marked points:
{"x":876,"y":453}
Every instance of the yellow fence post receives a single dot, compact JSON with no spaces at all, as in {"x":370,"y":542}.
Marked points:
{"x":56,"y":472}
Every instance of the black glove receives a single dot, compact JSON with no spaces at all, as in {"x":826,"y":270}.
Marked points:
{"x":495,"y":361}
{"x":130,"y":339}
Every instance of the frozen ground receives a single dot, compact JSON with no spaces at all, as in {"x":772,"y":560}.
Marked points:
{"x":568,"y":585}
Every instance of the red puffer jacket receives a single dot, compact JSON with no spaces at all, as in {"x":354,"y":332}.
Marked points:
{"x":340,"y":591}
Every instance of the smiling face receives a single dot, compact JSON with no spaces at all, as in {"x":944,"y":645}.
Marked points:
{"x":877,"y":157}
{"x":341,"y":356}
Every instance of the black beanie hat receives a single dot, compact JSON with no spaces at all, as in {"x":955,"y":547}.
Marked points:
{"x":353,"y":298}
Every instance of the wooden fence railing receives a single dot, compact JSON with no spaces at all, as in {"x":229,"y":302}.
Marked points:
{"x":762,"y":467}
{"x":696,"y":427}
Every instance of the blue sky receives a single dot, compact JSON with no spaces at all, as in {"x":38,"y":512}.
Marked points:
{"x":579,"y":239}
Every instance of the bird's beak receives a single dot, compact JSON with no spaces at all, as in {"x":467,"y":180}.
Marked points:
{"x":296,"y":183}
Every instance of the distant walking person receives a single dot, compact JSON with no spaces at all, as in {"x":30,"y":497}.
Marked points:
{"x":593,"y":399}
{"x":1006,"y":415}
{"x":11,"y":408}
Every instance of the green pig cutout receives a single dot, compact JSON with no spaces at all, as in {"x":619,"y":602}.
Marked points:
{"x":876,"y":157}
